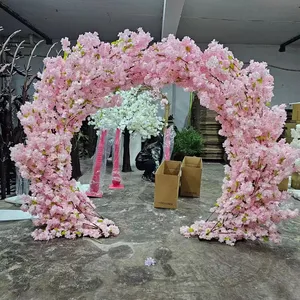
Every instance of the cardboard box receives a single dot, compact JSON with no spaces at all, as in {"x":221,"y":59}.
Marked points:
{"x":167,"y":180}
{"x":296,"y":112}
{"x":295,"y":182}
{"x":191,"y":174}
{"x":284,"y":185}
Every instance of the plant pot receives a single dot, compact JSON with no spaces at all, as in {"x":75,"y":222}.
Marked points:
{"x":179,"y":156}
{"x":295,"y":181}
{"x":283,"y":185}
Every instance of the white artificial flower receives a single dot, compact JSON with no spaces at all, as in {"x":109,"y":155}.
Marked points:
{"x":297,"y":163}
{"x":212,"y":62}
{"x":295,"y":133}
{"x":138,"y":113}
{"x":149,"y":261}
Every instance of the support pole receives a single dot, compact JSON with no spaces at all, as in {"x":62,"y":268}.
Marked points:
{"x":166,"y":117}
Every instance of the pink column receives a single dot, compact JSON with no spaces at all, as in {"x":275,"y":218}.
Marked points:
{"x":116,"y":174}
{"x":167,"y":144}
{"x":95,"y":189}
{"x":169,"y":136}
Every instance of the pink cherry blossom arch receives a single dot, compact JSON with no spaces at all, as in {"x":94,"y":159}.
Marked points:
{"x":74,"y":86}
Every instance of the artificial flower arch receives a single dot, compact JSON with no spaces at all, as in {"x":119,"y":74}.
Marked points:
{"x":74,"y":86}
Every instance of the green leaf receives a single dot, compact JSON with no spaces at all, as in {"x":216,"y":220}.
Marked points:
{"x":189,"y":142}
{"x":65,"y":55}
{"x":126,"y":47}
{"x":117,"y":42}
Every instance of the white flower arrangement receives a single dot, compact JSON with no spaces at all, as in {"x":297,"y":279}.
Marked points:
{"x":295,"y":133}
{"x":138,"y":113}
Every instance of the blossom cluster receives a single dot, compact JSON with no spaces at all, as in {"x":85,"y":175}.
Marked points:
{"x":295,"y":133}
{"x":76,"y":85}
{"x":138,"y":113}
{"x":249,"y":207}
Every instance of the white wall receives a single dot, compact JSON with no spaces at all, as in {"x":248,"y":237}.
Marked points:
{"x":180,"y":102}
{"x":287,"y":83}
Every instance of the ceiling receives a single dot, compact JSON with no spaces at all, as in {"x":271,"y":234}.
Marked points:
{"x":269,"y":22}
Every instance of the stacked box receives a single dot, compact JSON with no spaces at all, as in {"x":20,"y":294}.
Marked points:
{"x":167,"y":181}
{"x":191,"y":173}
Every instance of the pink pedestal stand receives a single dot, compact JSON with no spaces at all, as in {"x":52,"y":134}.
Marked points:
{"x":116,"y":174}
{"x":167,"y":144}
{"x":95,"y":190}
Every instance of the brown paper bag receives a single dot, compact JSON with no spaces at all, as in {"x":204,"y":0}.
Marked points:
{"x":191,"y":176}
{"x":167,"y":179}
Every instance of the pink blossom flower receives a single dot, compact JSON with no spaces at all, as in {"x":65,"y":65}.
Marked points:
{"x":164,"y":102}
{"x":65,"y":45}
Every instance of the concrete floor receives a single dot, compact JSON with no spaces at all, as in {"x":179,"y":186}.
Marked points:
{"x":113,"y":269}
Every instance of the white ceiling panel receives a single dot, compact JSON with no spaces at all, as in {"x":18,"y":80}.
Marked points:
{"x":240,"y":21}
{"x":266,"y":10}
{"x":229,"y":21}
{"x":235,"y":32}
{"x":10,"y":25}
{"x":60,"y":18}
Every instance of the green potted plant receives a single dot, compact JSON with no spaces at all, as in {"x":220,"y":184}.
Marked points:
{"x":188,"y":142}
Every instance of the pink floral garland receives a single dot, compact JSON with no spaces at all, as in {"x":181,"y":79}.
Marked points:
{"x":74,"y":86}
